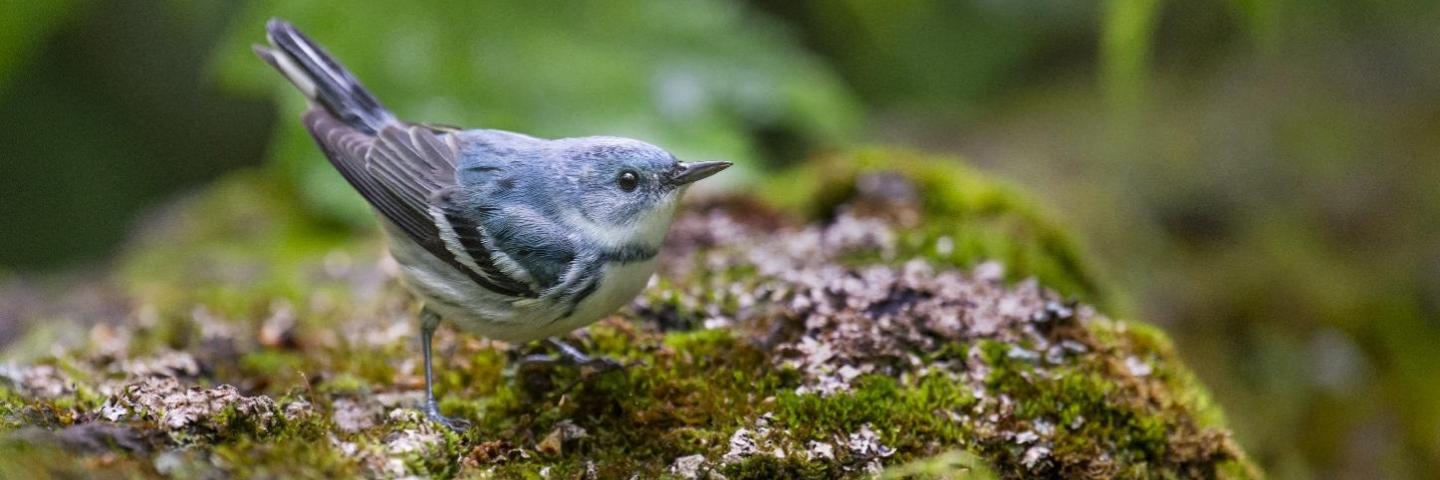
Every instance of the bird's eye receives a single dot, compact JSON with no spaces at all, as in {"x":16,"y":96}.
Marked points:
{"x":628,"y":181}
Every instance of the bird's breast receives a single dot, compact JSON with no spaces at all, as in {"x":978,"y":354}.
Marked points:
{"x":473,"y":308}
{"x":619,"y":284}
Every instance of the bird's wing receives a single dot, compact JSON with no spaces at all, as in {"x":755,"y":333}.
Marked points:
{"x":463,"y":231}
{"x":403,"y":170}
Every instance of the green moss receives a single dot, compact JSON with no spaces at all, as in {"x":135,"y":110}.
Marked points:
{"x":687,"y":392}
{"x":343,"y":384}
{"x":280,"y":458}
{"x":681,"y":394}
{"x":270,"y":363}
{"x":1151,"y":345}
{"x":10,"y":404}
{"x":957,"y":464}
{"x":1142,"y":419}
{"x":1067,"y":396}
{"x":239,"y":254}
{"x":790,"y":467}
{"x":907,"y":417}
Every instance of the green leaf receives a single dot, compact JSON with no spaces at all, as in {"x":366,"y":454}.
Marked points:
{"x":24,"y":25}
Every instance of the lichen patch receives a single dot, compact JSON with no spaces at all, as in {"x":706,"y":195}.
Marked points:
{"x":177,"y":407}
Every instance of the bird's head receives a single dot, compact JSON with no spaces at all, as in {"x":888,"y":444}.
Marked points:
{"x":627,"y":190}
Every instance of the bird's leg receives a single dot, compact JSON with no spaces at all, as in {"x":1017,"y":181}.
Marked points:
{"x":429,"y":320}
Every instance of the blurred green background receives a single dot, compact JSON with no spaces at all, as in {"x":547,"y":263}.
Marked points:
{"x":1262,"y":177}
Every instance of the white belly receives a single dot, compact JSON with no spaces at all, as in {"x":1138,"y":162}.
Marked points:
{"x":461,"y":302}
{"x":619,"y":286}
{"x":478,"y":311}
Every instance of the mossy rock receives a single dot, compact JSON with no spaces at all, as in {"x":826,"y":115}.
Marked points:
{"x":881,"y":313}
{"x":980,"y":218}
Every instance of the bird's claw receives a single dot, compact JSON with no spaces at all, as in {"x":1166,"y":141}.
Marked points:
{"x":530,"y":369}
{"x":432,"y":412}
{"x":569,"y":355}
{"x":599,"y":365}
{"x":588,"y":366}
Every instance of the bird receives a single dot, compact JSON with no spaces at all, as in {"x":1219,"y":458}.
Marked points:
{"x":505,"y":235}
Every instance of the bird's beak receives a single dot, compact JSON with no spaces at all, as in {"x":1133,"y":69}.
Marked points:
{"x":689,"y":172}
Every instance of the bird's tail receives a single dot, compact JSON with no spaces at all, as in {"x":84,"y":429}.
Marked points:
{"x":321,"y":78}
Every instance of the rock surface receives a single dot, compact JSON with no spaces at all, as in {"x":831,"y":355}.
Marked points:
{"x":879,"y":313}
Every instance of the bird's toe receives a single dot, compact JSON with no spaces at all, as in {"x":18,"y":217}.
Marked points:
{"x":432,"y":413}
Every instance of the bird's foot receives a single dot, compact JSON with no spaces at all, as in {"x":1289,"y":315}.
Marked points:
{"x":570,"y":356}
{"x":532,"y":370}
{"x":588,"y":366}
{"x":432,"y":412}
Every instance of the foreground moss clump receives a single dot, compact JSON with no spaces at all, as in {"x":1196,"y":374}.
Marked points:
{"x":911,"y":324}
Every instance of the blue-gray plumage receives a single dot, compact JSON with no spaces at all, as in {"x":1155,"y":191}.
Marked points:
{"x":509,"y":236}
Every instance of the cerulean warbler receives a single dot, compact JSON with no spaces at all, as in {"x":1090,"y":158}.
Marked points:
{"x":509,"y":236}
